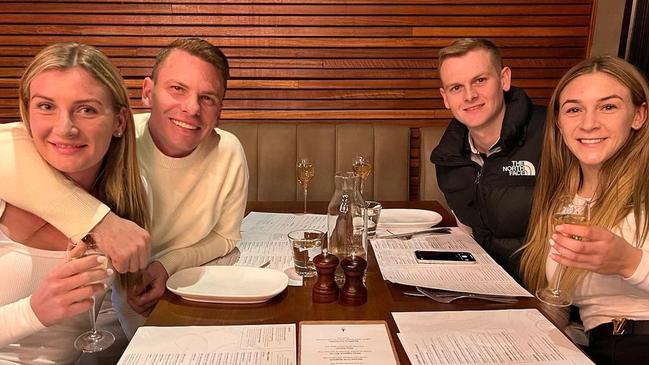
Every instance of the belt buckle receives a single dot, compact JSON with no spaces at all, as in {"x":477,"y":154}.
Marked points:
{"x":619,"y":326}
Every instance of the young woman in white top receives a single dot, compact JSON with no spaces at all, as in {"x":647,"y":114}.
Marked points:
{"x":75,"y":105}
{"x":596,"y":147}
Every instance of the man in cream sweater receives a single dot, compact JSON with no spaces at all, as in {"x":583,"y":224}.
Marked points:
{"x":198,"y":174}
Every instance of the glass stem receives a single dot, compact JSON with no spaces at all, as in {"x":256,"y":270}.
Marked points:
{"x":305,"y":193}
{"x":557,"y":279}
{"x":93,"y":327}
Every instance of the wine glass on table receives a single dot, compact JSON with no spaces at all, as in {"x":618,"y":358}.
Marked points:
{"x":93,"y":340}
{"x":362,"y":167}
{"x":571,"y":210}
{"x":305,"y":172}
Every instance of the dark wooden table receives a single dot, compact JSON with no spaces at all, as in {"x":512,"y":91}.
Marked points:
{"x":294,"y":304}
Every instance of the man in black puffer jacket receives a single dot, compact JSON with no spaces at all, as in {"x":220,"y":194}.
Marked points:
{"x":488,"y":157}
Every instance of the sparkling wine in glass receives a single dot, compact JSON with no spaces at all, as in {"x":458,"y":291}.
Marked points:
{"x":362,"y":167}
{"x":571,"y":211}
{"x":93,"y":340}
{"x":305,"y":172}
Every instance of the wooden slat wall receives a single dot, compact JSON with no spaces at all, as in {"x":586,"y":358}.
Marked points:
{"x":335,"y":61}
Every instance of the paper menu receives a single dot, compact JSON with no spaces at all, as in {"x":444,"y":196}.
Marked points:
{"x":397,"y":262}
{"x":255,"y":249}
{"x":515,"y":336}
{"x":282,"y":222}
{"x":346,"y":343}
{"x":215,"y":345}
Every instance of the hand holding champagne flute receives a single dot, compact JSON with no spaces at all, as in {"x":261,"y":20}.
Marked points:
{"x":305,"y":172}
{"x":94,"y":340}
{"x":362,"y":167}
{"x":571,"y":211}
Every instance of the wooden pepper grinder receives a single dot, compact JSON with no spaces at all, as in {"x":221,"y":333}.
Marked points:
{"x":325,"y":290}
{"x":354,"y":291}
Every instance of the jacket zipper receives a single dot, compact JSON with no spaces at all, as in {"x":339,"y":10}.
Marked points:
{"x":477,"y":178}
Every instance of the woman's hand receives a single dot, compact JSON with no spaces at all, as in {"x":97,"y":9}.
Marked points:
{"x":68,"y":289}
{"x":599,"y":250}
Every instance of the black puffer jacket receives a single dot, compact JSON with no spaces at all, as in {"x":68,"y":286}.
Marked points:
{"x":495,"y":200}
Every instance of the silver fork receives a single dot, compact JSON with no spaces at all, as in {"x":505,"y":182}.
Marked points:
{"x":449,"y":297}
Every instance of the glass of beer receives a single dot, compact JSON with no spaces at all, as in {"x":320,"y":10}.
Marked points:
{"x":572,"y":210}
{"x":305,"y":172}
{"x":362,"y":167}
{"x":93,"y":340}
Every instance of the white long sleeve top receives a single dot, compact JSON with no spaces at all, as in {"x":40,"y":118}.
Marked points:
{"x":23,"y":339}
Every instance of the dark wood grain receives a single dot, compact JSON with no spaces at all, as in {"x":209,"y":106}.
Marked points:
{"x":329,"y":61}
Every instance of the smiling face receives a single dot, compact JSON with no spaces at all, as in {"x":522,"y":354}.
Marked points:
{"x":472,"y":89}
{"x":595,"y":118}
{"x":185,"y":101}
{"x":72,"y":122}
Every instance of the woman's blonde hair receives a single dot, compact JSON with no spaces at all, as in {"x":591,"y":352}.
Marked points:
{"x":622,"y":187}
{"x":118,"y":184}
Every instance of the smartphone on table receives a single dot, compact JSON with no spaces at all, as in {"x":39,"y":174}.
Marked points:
{"x":444,"y":257}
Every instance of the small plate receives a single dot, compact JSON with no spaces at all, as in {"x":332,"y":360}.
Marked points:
{"x":227,"y":284}
{"x":408,"y":218}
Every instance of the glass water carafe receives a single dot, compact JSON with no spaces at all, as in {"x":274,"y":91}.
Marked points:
{"x":345,"y":223}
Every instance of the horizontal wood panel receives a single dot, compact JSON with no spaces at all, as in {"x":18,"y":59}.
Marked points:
{"x":319,"y":2}
{"x":522,"y":64}
{"x":429,"y":53}
{"x":310,"y":9}
{"x":292,"y":41}
{"x":149,"y":19}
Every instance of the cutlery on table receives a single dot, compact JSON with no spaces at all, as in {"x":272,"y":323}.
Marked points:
{"x":409,"y":235}
{"x":446,"y":297}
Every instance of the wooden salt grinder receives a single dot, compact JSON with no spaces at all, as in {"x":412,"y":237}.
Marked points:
{"x":325,"y":290}
{"x":354,"y":291}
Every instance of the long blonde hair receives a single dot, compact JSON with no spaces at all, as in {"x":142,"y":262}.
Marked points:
{"x":118,"y":184}
{"x":622,"y":188}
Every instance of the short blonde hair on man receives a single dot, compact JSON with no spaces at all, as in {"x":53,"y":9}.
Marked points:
{"x":196,"y":47}
{"x":462,"y":46}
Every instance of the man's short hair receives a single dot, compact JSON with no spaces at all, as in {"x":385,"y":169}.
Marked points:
{"x":199,"y":48}
{"x":462,"y":46}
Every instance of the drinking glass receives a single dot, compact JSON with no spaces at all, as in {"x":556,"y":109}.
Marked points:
{"x":305,"y":172}
{"x":362,"y":166}
{"x":307,"y":244}
{"x":571,"y":211}
{"x":93,"y":340}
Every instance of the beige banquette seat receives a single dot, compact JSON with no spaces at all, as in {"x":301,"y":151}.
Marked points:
{"x":273,"y":148}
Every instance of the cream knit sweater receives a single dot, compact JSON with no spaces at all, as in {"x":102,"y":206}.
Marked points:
{"x":198,"y":200}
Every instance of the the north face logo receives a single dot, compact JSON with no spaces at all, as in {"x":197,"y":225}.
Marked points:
{"x":520,"y":168}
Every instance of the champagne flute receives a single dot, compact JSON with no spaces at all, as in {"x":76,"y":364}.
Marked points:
{"x":305,"y":172}
{"x":571,"y":211}
{"x":93,"y":340}
{"x":362,"y":167}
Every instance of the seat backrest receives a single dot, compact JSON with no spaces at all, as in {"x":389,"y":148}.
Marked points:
{"x":272,"y":150}
{"x":428,"y":188}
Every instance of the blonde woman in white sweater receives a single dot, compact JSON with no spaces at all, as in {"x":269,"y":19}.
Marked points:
{"x":74,"y":105}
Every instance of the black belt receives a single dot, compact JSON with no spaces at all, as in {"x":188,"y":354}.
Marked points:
{"x":621,"y":327}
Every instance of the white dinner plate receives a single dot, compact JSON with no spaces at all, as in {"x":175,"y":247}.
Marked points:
{"x":227,"y":284}
{"x":408,"y":218}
